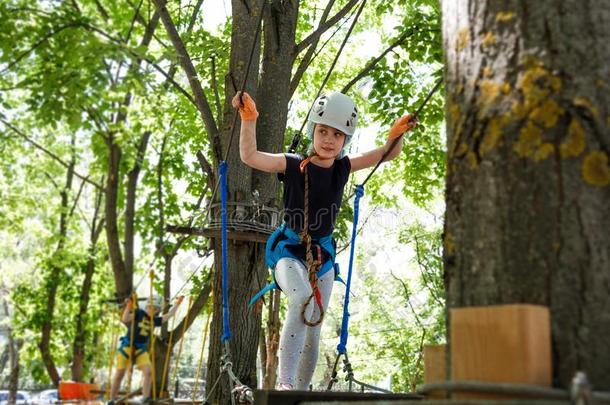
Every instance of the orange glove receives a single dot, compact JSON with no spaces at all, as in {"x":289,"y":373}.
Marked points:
{"x":246,"y":106}
{"x":402,"y":125}
{"x":129,"y":303}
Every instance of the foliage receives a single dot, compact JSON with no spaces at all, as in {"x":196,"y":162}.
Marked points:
{"x":65,"y":76}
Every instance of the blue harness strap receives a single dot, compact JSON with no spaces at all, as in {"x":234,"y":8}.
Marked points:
{"x":341,"y":347}
{"x":277,"y":248}
{"x":138,"y":347}
{"x":226,"y":331}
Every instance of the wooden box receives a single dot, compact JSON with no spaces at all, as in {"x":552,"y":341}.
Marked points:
{"x":503,"y":343}
{"x":434,"y":367}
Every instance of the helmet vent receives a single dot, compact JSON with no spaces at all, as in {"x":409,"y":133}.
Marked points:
{"x":321,"y":113}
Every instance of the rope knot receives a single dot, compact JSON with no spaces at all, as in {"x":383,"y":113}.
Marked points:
{"x":359,"y":191}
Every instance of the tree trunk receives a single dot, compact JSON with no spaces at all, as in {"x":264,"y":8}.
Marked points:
{"x":53,"y":279}
{"x":247,"y":272}
{"x":528,"y":181}
{"x":12,"y":348}
{"x":78,"y":346}
{"x":273,"y":340}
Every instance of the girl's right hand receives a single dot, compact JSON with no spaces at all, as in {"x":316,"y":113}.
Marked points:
{"x":246,"y":106}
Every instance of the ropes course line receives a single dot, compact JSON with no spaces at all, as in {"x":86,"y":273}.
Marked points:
{"x":297,"y":137}
{"x":396,"y":140}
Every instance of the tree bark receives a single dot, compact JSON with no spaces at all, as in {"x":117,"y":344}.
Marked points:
{"x":273,"y":340}
{"x":247,"y":272}
{"x":78,"y":347}
{"x":528,"y":181}
{"x":53,"y":279}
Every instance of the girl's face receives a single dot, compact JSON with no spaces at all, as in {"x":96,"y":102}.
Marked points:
{"x":327,"y":141}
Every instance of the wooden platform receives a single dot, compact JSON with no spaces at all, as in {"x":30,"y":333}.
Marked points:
{"x":262,"y":397}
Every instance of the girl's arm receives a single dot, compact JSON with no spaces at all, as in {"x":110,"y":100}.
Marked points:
{"x":173,"y":310}
{"x":249,"y":154}
{"x":363,"y":160}
{"x":127,"y":312}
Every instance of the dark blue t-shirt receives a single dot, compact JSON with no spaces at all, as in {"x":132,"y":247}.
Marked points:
{"x":142,"y":328}
{"x":325,"y":193}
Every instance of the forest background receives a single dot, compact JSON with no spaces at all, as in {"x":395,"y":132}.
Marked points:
{"x":102,"y":147}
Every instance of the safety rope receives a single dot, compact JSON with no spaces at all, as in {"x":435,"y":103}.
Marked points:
{"x":131,"y":355}
{"x":397,"y":139}
{"x":206,"y":327}
{"x":167,"y":355}
{"x":226,"y":329}
{"x":113,"y":349}
{"x":312,"y":265}
{"x":359,"y":193}
{"x":341,"y":347}
{"x":151,"y":340}
{"x":297,"y":137}
{"x":184,"y":326}
{"x":238,"y":390}
{"x":347,"y":368}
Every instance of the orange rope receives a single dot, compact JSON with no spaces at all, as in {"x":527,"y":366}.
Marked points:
{"x":312,"y":265}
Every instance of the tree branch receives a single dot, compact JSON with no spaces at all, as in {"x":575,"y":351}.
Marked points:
{"x":139,"y":56}
{"x":191,"y":74}
{"x":49,"y":153}
{"x":198,"y":304}
{"x":310,"y":52}
{"x":206,"y":167}
{"x":324,"y":27}
{"x":369,"y":66}
{"x":130,"y":200}
{"x":215,"y":90}
{"x":101,"y":10}
{"x":36,"y":45}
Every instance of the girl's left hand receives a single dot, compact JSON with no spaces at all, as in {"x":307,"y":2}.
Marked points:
{"x":402,"y":125}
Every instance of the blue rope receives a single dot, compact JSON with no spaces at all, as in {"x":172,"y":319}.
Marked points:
{"x":341,"y":347}
{"x":226,"y":335}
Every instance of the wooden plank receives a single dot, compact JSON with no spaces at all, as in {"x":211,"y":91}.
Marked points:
{"x":502,"y":343}
{"x":434,"y":367}
{"x":265,"y":397}
{"x":434,"y":363}
{"x":215,"y":233}
{"x":446,"y":402}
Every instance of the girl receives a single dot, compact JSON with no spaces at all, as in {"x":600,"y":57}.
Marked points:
{"x":301,"y":251}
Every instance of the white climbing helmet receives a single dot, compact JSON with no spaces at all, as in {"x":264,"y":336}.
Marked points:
{"x":156,"y":301}
{"x":335,"y":110}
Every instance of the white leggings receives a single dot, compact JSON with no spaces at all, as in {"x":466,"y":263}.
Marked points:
{"x":299,"y":343}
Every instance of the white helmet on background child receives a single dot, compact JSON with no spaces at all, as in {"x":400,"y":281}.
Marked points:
{"x":335,"y":110}
{"x":156,"y":301}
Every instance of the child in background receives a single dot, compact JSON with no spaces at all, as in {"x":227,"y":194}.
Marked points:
{"x":141,"y":342}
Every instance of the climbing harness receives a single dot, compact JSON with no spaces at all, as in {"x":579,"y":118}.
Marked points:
{"x":359,"y":193}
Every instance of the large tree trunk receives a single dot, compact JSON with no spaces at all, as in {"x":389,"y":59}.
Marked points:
{"x":247,"y":270}
{"x":528,"y":181}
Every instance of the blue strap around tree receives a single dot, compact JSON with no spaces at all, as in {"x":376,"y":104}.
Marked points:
{"x":226,"y":335}
{"x":341,"y":347}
